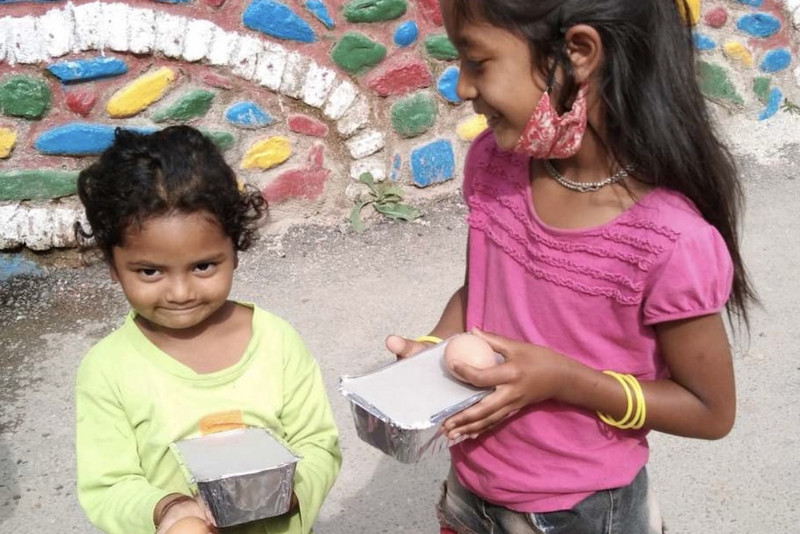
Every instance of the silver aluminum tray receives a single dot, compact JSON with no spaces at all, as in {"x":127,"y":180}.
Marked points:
{"x":399,"y":409}
{"x":242,"y":475}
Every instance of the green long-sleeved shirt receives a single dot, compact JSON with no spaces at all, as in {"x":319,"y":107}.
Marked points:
{"x":133,"y":400}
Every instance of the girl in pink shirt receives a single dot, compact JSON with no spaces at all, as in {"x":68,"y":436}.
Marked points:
{"x":603,"y":248}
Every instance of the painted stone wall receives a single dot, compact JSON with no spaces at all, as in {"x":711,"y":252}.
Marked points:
{"x":302,"y":95}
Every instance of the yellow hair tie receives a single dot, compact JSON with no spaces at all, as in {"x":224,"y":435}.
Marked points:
{"x":428,"y":339}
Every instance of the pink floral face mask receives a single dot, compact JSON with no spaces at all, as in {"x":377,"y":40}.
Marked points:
{"x":550,"y":136}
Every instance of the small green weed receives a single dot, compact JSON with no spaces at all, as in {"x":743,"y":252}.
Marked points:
{"x":385,"y":198}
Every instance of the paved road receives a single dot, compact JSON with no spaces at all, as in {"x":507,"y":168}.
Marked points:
{"x":346,"y":292}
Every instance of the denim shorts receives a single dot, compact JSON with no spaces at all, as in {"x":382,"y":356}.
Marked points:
{"x":632,"y":509}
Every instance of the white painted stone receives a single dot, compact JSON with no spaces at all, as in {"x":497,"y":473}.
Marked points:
{"x":223,"y":47}
{"x":197,"y":41}
{"x":57,"y":28}
{"x":142,"y":30}
{"x":244,"y":60}
{"x":65,"y":215}
{"x":366,"y":143}
{"x":5,"y":30}
{"x":294,"y":75}
{"x":9,"y":226}
{"x":271,"y":65}
{"x":340,"y":100}
{"x":89,"y":28}
{"x":24,"y":42}
{"x":170,"y":32}
{"x":318,"y":84}
{"x":355,"y":119}
{"x":36,"y":230}
{"x":115,"y":18}
{"x":375,"y":165}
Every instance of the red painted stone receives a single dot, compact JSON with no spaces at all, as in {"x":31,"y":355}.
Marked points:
{"x":717,"y":17}
{"x":214,"y":3}
{"x":399,"y":76}
{"x":215,"y":80}
{"x":431,"y":11}
{"x":307,"y":182}
{"x":303,"y":124}
{"x":81,"y":101}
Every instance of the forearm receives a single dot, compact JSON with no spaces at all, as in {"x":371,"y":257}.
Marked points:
{"x":671,"y":407}
{"x":454,"y":317}
{"x":125,"y":508}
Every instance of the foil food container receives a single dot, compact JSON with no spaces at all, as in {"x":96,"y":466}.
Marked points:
{"x":242,"y":475}
{"x":399,"y":409}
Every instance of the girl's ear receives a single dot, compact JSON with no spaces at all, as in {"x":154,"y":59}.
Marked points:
{"x":585,"y":51}
{"x":113,"y":271}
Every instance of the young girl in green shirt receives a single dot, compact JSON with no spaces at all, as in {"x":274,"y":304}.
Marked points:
{"x":169,"y":216}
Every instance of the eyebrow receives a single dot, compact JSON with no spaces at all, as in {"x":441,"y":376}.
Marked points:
{"x":153,"y":265}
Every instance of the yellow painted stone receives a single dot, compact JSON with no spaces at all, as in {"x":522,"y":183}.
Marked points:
{"x":736,"y":50}
{"x":140,"y":93}
{"x":472,"y":127}
{"x":8,"y":138}
{"x":694,"y":11}
{"x":267,"y":153}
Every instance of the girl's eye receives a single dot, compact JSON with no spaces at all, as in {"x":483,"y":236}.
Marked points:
{"x":473,"y":64}
{"x":204,"y":267}
{"x":148,"y":273}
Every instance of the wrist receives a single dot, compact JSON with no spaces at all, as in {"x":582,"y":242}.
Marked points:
{"x":166,"y":504}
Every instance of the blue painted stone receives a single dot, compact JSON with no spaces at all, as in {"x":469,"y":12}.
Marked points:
{"x":759,"y":24}
{"x":773,"y":104}
{"x":776,"y":60}
{"x":277,"y":20}
{"x":447,"y":84}
{"x":433,"y":163}
{"x":752,"y":3}
{"x":12,"y":265}
{"x":320,"y":11}
{"x":406,"y":33}
{"x":84,"y":70}
{"x":248,"y":115}
{"x":704,"y":42}
{"x":79,"y":139}
{"x":396,"y":163}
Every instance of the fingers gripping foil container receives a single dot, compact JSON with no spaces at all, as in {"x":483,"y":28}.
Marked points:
{"x":399,"y":409}
{"x":242,"y":475}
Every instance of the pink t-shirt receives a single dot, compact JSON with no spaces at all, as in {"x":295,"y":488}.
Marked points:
{"x":592,"y":294}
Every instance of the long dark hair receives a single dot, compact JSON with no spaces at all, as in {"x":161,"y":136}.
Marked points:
{"x":177,"y":169}
{"x":656,"y":118}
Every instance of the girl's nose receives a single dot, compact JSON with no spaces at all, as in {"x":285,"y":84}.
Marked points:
{"x":180,"y":290}
{"x":465,"y":88}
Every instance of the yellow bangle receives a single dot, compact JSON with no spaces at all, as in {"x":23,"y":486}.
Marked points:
{"x":641,"y":406}
{"x":429,"y":339}
{"x":606,"y":418}
{"x":629,"y":383}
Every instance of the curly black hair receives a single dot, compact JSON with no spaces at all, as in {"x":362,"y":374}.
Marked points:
{"x":176,"y":169}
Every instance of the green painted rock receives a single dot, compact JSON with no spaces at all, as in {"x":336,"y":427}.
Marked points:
{"x":37,"y":184}
{"x":716,"y":84}
{"x":24,"y":96}
{"x":414,"y":115}
{"x":357,"y":53}
{"x":192,"y":105}
{"x":223,"y":140}
{"x":440,"y":47}
{"x":374,"y":10}
{"x":761,"y":88}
